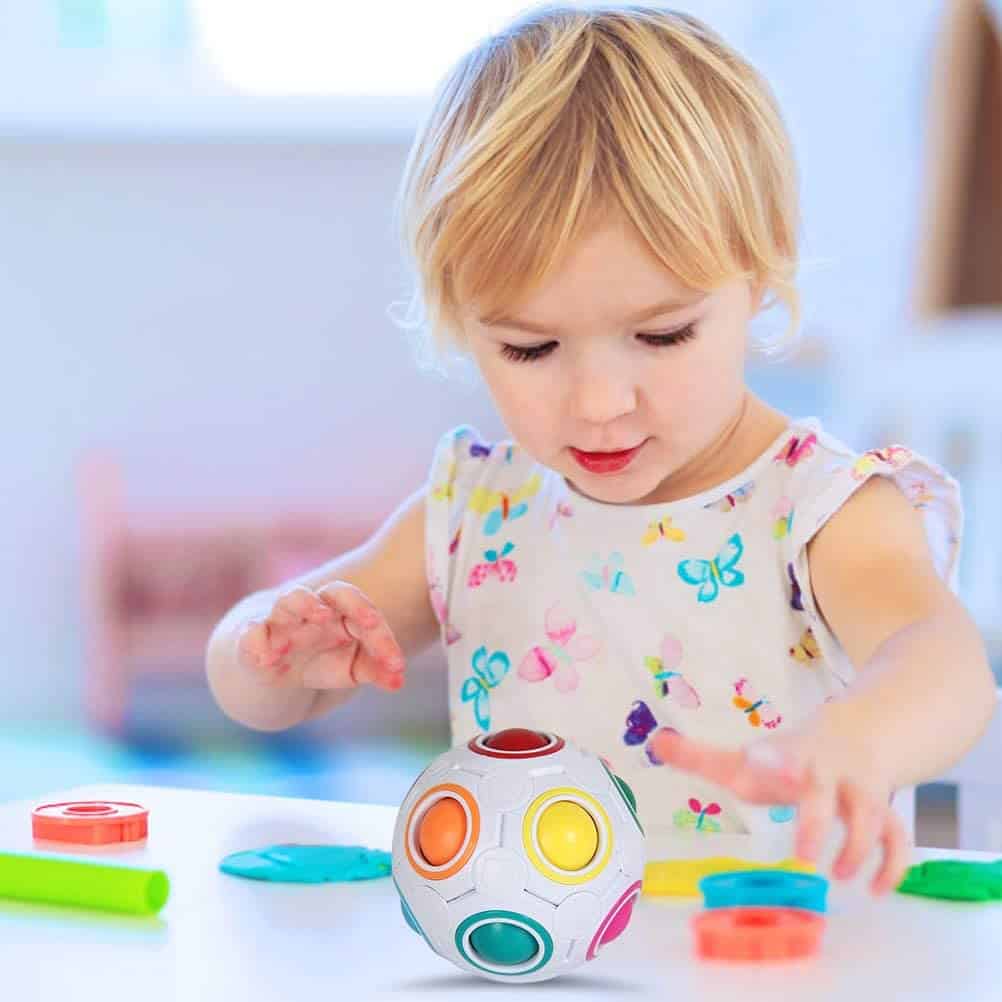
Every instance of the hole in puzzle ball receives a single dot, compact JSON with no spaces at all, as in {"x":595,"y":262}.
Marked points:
{"x":619,"y":922}
{"x":516,"y":739}
{"x":624,"y":789}
{"x":442,"y":831}
{"x":567,"y":835}
{"x":503,"y":944}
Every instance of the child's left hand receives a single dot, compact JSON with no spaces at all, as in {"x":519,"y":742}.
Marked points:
{"x":825,"y":769}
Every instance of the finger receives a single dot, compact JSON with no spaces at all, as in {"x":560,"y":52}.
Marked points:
{"x":298,"y":619}
{"x":279,"y":639}
{"x":254,"y":646}
{"x":348,"y":668}
{"x":863,"y":819}
{"x":350,"y":602}
{"x":897,"y":849}
{"x":816,"y":813}
{"x":299,"y":604}
{"x":738,"y":770}
{"x":311,"y":637}
{"x":368,"y":672}
{"x":365,"y":623}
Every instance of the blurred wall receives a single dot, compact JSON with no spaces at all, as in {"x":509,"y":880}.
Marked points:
{"x":215,"y":313}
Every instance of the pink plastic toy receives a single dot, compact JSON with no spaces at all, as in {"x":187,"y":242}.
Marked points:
{"x":156,"y":581}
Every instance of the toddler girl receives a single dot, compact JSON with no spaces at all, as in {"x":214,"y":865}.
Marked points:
{"x":657,"y":565}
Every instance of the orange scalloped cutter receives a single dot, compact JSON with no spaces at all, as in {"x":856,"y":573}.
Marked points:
{"x":757,"y":934}
{"x":90,"y":822}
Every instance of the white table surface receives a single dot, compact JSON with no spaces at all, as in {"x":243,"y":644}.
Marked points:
{"x":225,"y":938}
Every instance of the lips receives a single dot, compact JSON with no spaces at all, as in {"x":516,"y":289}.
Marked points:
{"x":605,"y":462}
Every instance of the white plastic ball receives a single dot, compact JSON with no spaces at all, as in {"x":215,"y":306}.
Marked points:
{"x":518,"y":856}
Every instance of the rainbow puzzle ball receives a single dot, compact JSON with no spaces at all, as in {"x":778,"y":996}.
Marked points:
{"x":518,"y":856}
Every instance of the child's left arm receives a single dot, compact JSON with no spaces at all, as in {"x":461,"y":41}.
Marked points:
{"x":923,"y":695}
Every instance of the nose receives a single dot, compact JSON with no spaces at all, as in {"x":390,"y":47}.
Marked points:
{"x":601,"y":392}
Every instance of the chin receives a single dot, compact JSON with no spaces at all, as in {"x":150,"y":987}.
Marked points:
{"x":611,"y":490}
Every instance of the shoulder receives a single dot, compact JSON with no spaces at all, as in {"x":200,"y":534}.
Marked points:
{"x":808,"y":456}
{"x":873,"y":570}
{"x":856,"y":495}
{"x":875,"y":522}
{"x":485,"y":478}
{"x":464,"y":460}
{"x":880,"y":531}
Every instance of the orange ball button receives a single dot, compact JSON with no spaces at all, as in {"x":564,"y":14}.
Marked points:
{"x":442,"y":831}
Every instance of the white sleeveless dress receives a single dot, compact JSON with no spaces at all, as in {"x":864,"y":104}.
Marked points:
{"x":603,"y":623}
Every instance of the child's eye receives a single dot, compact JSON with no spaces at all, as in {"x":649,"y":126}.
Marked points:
{"x":516,"y":353}
{"x":667,"y":338}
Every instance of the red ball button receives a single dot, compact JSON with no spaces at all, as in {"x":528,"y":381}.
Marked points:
{"x":516,"y":739}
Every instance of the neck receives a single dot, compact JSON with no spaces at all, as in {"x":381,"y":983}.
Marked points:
{"x":752,"y":428}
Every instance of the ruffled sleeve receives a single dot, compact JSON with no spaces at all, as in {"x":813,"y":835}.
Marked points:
{"x":455,"y":470}
{"x":833,"y":480}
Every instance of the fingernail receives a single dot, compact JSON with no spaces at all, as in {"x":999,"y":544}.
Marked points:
{"x":658,"y":747}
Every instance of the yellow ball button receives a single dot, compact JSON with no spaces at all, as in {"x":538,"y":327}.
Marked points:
{"x":567,"y":835}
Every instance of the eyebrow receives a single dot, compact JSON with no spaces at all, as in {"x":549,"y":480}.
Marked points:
{"x":656,"y":310}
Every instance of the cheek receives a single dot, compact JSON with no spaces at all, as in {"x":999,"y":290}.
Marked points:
{"x":523,"y":396}
{"x":694,"y":390}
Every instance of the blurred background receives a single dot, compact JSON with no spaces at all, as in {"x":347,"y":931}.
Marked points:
{"x":203,"y":392}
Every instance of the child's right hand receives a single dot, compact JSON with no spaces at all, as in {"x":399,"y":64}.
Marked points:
{"x":331,"y":638}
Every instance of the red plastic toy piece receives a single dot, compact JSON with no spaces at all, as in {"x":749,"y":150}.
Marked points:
{"x":757,"y":934}
{"x":90,"y":822}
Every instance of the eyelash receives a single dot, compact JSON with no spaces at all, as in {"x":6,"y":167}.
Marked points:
{"x":516,"y":353}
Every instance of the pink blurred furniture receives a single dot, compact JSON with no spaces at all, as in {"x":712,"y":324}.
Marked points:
{"x":155,"y":582}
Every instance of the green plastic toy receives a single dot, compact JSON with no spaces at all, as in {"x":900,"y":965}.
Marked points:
{"x":308,"y":864}
{"x":61,"y":880}
{"x":954,"y":879}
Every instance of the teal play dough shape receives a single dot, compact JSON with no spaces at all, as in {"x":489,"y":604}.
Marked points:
{"x":308,"y":864}
{"x":954,"y":879}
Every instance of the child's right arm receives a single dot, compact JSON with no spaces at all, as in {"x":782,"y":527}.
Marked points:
{"x":292,"y":653}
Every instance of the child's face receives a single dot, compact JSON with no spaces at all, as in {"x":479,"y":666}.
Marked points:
{"x":591,"y":393}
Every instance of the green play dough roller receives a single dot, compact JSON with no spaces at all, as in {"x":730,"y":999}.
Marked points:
{"x":59,"y":880}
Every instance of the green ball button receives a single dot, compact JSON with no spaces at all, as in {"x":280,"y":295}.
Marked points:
{"x":503,"y":944}
{"x":624,"y":789}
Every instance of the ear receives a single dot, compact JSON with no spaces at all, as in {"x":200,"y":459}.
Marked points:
{"x":758,"y":291}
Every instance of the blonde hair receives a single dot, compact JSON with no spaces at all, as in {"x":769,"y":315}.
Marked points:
{"x":569,"y":112}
